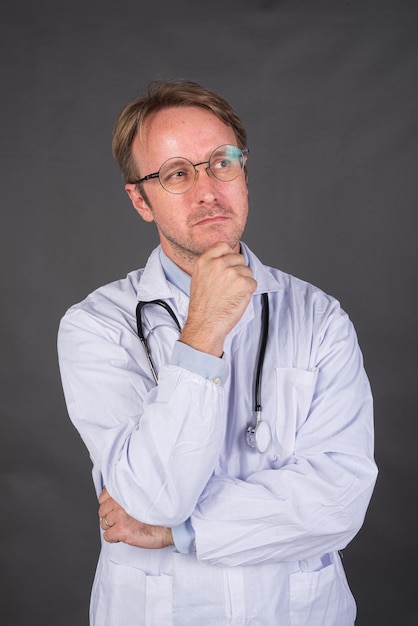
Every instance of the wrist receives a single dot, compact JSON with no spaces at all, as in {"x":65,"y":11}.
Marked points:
{"x":166,"y":537}
{"x":202,"y":341}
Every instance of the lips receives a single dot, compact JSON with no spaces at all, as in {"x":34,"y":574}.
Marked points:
{"x":213,"y":219}
{"x":211,"y":216}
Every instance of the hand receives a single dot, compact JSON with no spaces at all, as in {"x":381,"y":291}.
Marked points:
{"x":119,"y":526}
{"x":220,"y":290}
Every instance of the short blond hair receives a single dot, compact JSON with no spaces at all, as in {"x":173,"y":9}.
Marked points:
{"x":161,"y":95}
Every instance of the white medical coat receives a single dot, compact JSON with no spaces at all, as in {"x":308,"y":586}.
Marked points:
{"x":267,"y":527}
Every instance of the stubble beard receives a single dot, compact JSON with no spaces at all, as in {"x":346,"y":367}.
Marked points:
{"x":186,"y":252}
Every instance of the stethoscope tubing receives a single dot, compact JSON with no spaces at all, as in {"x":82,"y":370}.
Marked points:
{"x":252,"y":431}
{"x":263,"y":344}
{"x":140,"y":329}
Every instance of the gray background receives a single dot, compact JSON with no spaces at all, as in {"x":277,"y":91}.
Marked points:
{"x":328,"y":92}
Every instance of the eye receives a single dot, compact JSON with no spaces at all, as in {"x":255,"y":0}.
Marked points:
{"x":175,"y":171}
{"x":176,"y":177}
{"x":179,"y":174}
{"x":222,"y":163}
{"x":225,"y":158}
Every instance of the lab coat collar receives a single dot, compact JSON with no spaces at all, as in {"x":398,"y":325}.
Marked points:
{"x":266,"y":282}
{"x":153,"y":283}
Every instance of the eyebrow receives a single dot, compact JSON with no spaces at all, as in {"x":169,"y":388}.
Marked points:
{"x":175,"y":160}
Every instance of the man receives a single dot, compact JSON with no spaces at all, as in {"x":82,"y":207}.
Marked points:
{"x":232,"y":457}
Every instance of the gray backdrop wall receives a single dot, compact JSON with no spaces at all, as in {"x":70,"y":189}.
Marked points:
{"x":328,"y":91}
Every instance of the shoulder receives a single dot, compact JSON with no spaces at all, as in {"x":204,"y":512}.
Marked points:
{"x":289,"y":288}
{"x":109,"y":305}
{"x":296,"y":289}
{"x":298,"y":304}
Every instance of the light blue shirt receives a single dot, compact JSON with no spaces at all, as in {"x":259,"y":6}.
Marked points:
{"x":257,"y":535}
{"x":204,"y":364}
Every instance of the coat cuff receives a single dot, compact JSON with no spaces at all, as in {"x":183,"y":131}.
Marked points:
{"x":206,"y":365}
{"x":184,"y":538}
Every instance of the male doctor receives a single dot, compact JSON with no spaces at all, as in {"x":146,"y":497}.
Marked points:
{"x":230,"y":476}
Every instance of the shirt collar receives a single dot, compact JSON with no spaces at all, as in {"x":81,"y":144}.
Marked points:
{"x":162,"y":278}
{"x":174,"y":274}
{"x":178,"y":277}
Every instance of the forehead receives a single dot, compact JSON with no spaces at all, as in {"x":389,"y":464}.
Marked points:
{"x":191,"y":132}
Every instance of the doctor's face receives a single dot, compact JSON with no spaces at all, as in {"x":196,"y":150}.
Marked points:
{"x":212,"y":211}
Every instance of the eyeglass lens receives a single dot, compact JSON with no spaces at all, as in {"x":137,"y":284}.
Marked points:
{"x":177,"y":175}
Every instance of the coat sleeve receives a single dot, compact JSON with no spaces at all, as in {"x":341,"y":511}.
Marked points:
{"x":316,"y":502}
{"x":154,"y":447}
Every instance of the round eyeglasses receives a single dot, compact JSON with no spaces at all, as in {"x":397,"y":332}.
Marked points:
{"x":178,"y":175}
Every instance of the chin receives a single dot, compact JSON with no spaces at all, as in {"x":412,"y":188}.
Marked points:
{"x":208,"y":242}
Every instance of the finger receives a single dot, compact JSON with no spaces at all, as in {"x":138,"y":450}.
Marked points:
{"x":105,"y":509}
{"x":110,"y":536}
{"x":223,"y":252}
{"x":218,"y":249}
{"x":240,"y":270}
{"x":104,"y":495}
{"x":106,"y":522}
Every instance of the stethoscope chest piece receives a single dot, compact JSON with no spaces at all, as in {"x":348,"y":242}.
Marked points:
{"x":259,"y":437}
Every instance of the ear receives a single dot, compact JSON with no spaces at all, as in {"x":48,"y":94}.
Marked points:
{"x":139,"y":203}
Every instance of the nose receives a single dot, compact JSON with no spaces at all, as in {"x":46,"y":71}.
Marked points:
{"x":205,"y":187}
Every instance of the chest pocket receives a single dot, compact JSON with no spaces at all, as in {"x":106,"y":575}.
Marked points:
{"x":294,"y":392}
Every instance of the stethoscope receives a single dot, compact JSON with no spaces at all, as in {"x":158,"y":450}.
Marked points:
{"x":258,"y":435}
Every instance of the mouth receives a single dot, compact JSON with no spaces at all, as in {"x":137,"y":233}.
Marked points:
{"x":212,"y":219}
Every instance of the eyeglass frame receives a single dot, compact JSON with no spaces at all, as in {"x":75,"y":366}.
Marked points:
{"x":244,"y":152}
